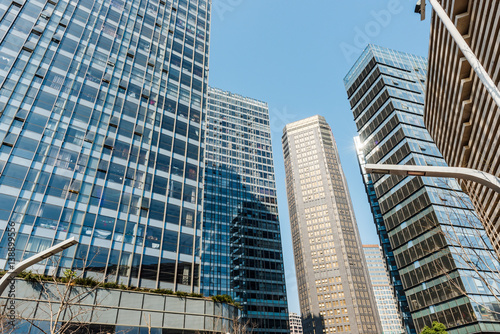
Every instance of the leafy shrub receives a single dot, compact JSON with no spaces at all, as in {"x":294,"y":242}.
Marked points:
{"x":163,"y":291}
{"x":87,"y":281}
{"x":223,"y":299}
{"x":181,"y":294}
{"x":111,"y":285}
{"x":196,"y":295}
{"x":29,"y":276}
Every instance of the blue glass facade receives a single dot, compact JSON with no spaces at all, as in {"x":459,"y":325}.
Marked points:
{"x":102,"y":135}
{"x":390,"y":261}
{"x":242,"y":254}
{"x":426,"y":225}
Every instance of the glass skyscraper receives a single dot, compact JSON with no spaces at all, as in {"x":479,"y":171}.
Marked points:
{"x":387,"y":252}
{"x":430,"y":228}
{"x":101,"y":130}
{"x":242,"y":253}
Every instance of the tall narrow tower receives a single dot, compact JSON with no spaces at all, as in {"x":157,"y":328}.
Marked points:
{"x":334,"y":289}
{"x":242,"y":254}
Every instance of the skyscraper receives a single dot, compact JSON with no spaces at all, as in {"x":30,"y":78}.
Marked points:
{"x":242,"y":254}
{"x":101,"y":130}
{"x":295,"y":323}
{"x":334,"y":288}
{"x":459,"y":112}
{"x":430,"y":234}
{"x":383,"y":291}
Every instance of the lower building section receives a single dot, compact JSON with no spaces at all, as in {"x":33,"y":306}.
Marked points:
{"x":45,"y":307}
{"x":388,"y":254}
{"x":383,"y":290}
{"x":42,"y":327}
{"x":242,"y":251}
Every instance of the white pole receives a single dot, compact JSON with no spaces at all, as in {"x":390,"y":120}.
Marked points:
{"x":488,"y":180}
{"x":466,"y":50}
{"x":11,"y":274}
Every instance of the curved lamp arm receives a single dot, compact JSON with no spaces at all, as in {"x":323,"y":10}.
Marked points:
{"x":483,"y":178}
{"x":11,"y":274}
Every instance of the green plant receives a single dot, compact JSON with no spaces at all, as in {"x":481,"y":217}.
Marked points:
{"x":111,"y":285}
{"x":29,"y":276}
{"x":163,"y":291}
{"x":196,"y":295}
{"x":437,"y":328}
{"x":181,"y":294}
{"x":69,"y":274}
{"x":45,"y":278}
{"x":223,"y":299}
{"x":88,"y":281}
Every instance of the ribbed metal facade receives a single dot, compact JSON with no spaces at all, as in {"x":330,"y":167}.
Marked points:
{"x":460,"y":114}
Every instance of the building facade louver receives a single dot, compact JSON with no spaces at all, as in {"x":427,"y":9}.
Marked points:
{"x":464,"y":125}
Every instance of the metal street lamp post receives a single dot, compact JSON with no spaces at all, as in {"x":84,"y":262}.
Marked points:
{"x":483,"y":178}
{"x":11,"y":274}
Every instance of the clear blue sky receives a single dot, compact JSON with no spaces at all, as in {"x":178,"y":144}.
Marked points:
{"x":294,"y":55}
